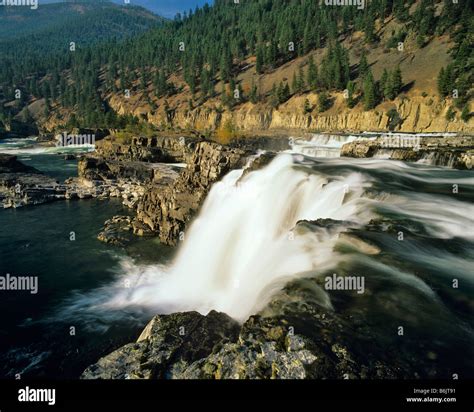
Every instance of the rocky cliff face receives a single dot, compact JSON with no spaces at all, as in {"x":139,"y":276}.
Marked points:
{"x":167,"y":342}
{"x":123,"y":169}
{"x":166,"y":212}
{"x":165,"y":197}
{"x":417,"y":114}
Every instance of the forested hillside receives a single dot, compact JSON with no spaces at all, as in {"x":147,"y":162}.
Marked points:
{"x":231,"y":54}
{"x":79,"y":19}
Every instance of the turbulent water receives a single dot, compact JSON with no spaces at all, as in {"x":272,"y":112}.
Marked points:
{"x":35,"y":241}
{"x":322,"y":145}
{"x":246,"y":244}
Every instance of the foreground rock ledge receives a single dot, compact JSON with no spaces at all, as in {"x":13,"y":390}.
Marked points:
{"x":168,"y":342}
{"x":294,"y":337}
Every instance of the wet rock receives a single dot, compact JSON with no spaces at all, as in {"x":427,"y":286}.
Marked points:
{"x":297,"y":336}
{"x":362,"y":246}
{"x":22,"y":185}
{"x":154,"y":149}
{"x":116,"y":231}
{"x":166,"y":211}
{"x":10,"y":164}
{"x":360,"y":149}
{"x":395,"y":226}
{"x":259,"y":162}
{"x":451,"y":151}
{"x":166,"y":342}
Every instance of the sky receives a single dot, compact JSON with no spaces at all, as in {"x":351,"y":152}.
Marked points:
{"x":165,"y":8}
{"x":168,"y":8}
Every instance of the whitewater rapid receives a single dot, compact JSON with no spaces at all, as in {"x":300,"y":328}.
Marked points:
{"x":245,"y":244}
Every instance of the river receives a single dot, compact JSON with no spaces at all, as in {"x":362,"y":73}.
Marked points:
{"x":416,"y":223}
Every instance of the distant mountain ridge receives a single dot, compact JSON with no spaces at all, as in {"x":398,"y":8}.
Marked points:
{"x":165,"y":8}
{"x":79,"y":18}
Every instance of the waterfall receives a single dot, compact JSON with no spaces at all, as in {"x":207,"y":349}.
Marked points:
{"x":245,"y":244}
{"x":434,"y":158}
{"x":322,"y":145}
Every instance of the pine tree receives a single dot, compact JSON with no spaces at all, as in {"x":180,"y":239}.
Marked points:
{"x":253,"y":93}
{"x":323,"y":102}
{"x":446,"y":80}
{"x":307,"y":108}
{"x":389,"y":90}
{"x":383,"y":81}
{"x":274,"y":100}
{"x":312,"y":79}
{"x":350,"y":94}
{"x":450,"y":114}
{"x":226,"y":65}
{"x":260,"y":60}
{"x":363,"y":67}
{"x":294,"y":84}
{"x":301,"y":82}
{"x":397,"y":82}
{"x":465,"y":114}
{"x":370,"y":92}
{"x":283,"y":92}
{"x":232,"y":86}
{"x":442,"y":87}
{"x":272,"y":54}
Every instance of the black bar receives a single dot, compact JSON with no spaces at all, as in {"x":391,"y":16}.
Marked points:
{"x":95,"y":393}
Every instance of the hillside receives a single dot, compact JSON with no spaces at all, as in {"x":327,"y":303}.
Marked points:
{"x":239,"y":69}
{"x":52,"y":20}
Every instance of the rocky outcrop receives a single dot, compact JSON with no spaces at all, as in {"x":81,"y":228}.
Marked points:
{"x":417,"y":114}
{"x":455,"y":152}
{"x":10,"y":164}
{"x":293,"y":338}
{"x":167,"y":342}
{"x":166,"y":212}
{"x":118,"y":169}
{"x":117,"y":231}
{"x":22,"y":185}
{"x":156,"y":149}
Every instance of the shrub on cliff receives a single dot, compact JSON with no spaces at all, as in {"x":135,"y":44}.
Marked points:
{"x":227,"y":132}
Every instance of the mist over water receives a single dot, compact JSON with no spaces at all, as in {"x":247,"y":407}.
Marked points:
{"x":244,"y":245}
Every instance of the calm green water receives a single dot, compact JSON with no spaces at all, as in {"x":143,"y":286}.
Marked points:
{"x":35,"y":339}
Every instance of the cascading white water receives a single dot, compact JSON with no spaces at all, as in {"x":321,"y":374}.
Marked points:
{"x":323,"y":145}
{"x":243,"y":246}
